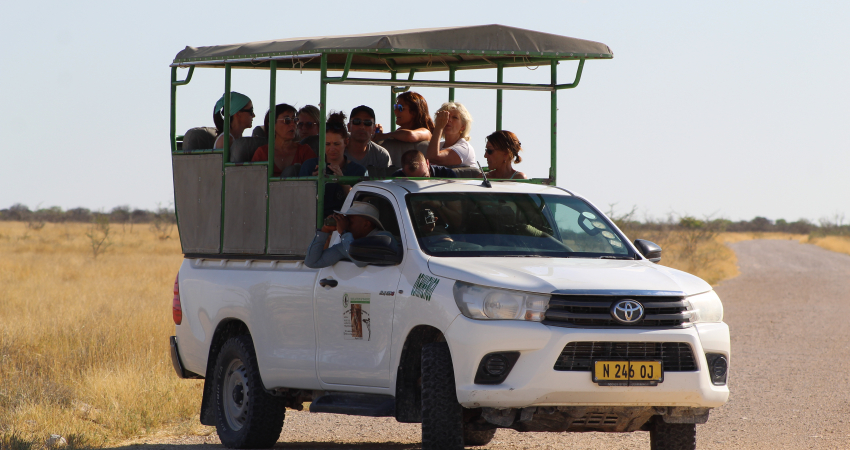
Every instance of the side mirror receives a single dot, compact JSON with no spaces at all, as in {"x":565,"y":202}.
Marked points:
{"x":378,"y":250}
{"x":649,"y":250}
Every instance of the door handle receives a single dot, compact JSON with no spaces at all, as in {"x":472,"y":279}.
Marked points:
{"x":326,"y":282}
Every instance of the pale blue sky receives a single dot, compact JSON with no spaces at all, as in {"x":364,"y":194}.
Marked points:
{"x":730,"y":109}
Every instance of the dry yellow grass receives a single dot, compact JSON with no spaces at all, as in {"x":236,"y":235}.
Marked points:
{"x":840,"y":244}
{"x":696,"y":251}
{"x":83,"y":341}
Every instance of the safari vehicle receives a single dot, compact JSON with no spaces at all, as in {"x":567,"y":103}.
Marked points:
{"x":534,"y":312}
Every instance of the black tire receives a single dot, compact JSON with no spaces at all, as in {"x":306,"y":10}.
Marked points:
{"x":442,"y":415}
{"x":672,"y":436}
{"x":473,"y":438}
{"x":246,"y":415}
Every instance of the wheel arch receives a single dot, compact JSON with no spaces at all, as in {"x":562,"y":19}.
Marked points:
{"x":408,"y":390}
{"x":225,"y":330}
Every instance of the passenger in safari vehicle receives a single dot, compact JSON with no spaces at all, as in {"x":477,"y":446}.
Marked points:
{"x":336,"y":139}
{"x":414,"y":127}
{"x":241,"y":116}
{"x":288,"y":153}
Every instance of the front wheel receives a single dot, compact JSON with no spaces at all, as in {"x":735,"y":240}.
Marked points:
{"x":672,"y":436}
{"x":246,"y":415}
{"x":442,"y":415}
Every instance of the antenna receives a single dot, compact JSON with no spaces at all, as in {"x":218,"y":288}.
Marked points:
{"x":486,"y":182}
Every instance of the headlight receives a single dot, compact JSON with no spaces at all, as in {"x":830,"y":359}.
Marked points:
{"x":707,"y":307}
{"x":479,"y":302}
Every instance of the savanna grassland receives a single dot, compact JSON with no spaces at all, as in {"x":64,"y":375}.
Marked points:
{"x":84,"y":340}
{"x":85,"y":315}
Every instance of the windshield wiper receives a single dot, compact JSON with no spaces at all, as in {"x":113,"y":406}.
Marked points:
{"x":616,"y":257}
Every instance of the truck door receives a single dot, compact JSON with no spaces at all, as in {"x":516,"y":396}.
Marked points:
{"x":354,"y":319}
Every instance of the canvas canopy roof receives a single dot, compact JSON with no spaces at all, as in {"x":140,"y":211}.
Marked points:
{"x":429,"y":49}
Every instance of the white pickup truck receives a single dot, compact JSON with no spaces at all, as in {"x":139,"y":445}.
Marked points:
{"x":513,"y":306}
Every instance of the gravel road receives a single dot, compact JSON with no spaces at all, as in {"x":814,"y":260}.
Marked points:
{"x":788,"y":312}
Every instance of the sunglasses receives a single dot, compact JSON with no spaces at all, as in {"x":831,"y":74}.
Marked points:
{"x":287,"y":120}
{"x":489,"y":151}
{"x":366,"y":122}
{"x":399,"y":107}
{"x":247,"y":110}
{"x":302,"y":123}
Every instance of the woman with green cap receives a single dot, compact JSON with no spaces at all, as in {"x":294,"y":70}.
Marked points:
{"x":241,"y":116}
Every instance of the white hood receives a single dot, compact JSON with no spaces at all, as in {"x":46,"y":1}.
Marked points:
{"x":548,"y":275}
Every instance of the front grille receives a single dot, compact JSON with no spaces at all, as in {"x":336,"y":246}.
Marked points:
{"x":674,"y":356}
{"x":594,"y":311}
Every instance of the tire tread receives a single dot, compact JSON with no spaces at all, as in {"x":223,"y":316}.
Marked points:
{"x":672,"y":436}
{"x":442,"y":415}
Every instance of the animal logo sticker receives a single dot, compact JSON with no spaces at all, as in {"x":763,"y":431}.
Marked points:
{"x":424,"y":286}
{"x":356,"y":322}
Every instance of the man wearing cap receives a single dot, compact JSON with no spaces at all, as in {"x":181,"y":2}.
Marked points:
{"x":360,"y":147}
{"x":358,"y":221}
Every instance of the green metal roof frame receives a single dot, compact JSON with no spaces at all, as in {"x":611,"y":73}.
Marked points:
{"x":486,"y":46}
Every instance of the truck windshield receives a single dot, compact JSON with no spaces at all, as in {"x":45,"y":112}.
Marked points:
{"x":507,"y":224}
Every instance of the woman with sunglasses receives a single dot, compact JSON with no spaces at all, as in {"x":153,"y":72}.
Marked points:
{"x":287,"y":150}
{"x":414,"y":127}
{"x":502,"y":148}
{"x":336,"y":163}
{"x":453,"y":123}
{"x":241,"y":116}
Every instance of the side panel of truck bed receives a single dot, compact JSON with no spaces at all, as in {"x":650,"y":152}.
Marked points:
{"x":273,"y":298}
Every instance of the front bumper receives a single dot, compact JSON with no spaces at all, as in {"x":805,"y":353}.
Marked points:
{"x":534,"y":381}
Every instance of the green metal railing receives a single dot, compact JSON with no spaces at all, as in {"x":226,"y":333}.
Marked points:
{"x":396,"y":86}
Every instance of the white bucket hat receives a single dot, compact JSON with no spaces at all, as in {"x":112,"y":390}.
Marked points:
{"x":363,"y":209}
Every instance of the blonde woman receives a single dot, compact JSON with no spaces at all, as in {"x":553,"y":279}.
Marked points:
{"x":502,"y":150}
{"x":452,"y":123}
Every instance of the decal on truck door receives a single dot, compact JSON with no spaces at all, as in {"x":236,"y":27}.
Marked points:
{"x":424,"y":286}
{"x":356,"y":323}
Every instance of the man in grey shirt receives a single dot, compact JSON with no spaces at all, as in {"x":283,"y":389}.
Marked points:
{"x":358,"y":221}
{"x":360,"y":148}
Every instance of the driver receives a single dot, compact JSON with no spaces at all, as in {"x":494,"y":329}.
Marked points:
{"x":427,"y":222}
{"x":358,"y":221}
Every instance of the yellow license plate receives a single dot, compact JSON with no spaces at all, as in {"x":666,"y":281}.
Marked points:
{"x":627,"y":373}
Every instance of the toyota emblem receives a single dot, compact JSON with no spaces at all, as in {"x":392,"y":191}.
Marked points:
{"x":627,"y":311}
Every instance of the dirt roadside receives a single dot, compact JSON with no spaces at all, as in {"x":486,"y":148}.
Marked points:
{"x":788,"y":312}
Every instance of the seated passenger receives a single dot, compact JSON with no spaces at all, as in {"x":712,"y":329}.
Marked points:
{"x":502,"y":148}
{"x":287,"y":150}
{"x":414,"y":127}
{"x":360,"y":148}
{"x":452,"y":122}
{"x":336,"y":137}
{"x":358,"y":221}
{"x":308,"y":126}
{"x":241,"y":116}
{"x":414,"y":164}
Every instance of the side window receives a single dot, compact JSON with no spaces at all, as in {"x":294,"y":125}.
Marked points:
{"x":385,"y":209}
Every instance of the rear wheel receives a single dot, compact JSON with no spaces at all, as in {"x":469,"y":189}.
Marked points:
{"x":672,"y":436}
{"x":475,"y":438}
{"x":442,"y":415}
{"x":246,"y":415}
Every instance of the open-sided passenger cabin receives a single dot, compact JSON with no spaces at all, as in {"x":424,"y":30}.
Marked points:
{"x":229,"y":208}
